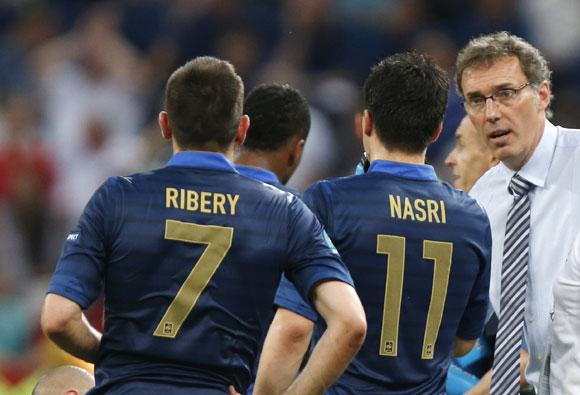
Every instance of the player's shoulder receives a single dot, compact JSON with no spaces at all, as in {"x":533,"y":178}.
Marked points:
{"x":327,"y":186}
{"x":289,"y":190}
{"x":326,"y":190}
{"x":115,"y":184}
{"x":131,"y":182}
{"x":265,"y":189}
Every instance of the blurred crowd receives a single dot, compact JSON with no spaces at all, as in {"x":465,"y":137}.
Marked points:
{"x":81,"y":82}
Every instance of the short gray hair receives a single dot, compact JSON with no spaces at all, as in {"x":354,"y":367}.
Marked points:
{"x":488,"y":48}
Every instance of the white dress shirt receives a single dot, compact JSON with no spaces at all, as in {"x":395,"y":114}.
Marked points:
{"x":565,"y":355}
{"x":554,"y":168}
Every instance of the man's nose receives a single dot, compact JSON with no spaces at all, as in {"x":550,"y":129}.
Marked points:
{"x":492,"y":112}
{"x":450,"y":160}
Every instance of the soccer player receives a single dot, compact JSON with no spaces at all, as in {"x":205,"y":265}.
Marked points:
{"x":271,"y":152}
{"x":189,"y":258}
{"x":280,"y":122}
{"x":418,"y":249}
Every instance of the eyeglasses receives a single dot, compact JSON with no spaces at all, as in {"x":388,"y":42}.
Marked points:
{"x":503,"y":96}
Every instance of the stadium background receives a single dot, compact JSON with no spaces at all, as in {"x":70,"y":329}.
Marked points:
{"x":80,"y":86}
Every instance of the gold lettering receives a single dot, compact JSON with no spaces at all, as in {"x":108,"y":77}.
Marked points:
{"x":205,"y":196}
{"x":408,"y":210}
{"x":395,"y":203}
{"x":218,"y":201}
{"x":420,"y":208}
{"x":432,"y":209}
{"x":443,"y":215}
{"x":192,"y":198}
{"x":171,"y":197}
{"x":182,"y":199}
{"x":233,"y":200}
{"x":205,"y":202}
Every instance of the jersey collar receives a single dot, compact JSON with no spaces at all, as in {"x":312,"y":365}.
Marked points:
{"x":259,"y":174}
{"x":406,"y":170}
{"x":202,"y":160}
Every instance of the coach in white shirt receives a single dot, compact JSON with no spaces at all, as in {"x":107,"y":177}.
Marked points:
{"x":505,"y":83}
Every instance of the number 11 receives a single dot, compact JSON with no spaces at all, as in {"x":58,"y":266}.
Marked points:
{"x":438,"y":251}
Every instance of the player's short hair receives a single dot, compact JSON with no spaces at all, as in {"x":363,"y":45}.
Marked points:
{"x":406,"y":95}
{"x":62,"y":378}
{"x":204,"y":100}
{"x":488,"y":48}
{"x":277,"y":113}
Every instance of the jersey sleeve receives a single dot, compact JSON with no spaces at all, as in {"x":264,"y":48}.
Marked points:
{"x":312,"y":258}
{"x":472,"y":322}
{"x":287,"y":297}
{"x":79,"y":271}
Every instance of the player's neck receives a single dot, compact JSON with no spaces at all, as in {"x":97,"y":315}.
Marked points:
{"x":261,"y":160}
{"x":228,"y":153}
{"x":397,"y":156}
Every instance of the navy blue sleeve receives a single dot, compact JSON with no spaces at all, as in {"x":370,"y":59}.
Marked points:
{"x":79,"y":272}
{"x":288,"y":298}
{"x":473,"y":320}
{"x":312,"y":257}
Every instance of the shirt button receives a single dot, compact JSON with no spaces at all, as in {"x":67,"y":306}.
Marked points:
{"x":540,"y":357}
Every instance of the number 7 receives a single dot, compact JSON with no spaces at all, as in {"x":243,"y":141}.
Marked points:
{"x":438,"y":251}
{"x":219,"y":241}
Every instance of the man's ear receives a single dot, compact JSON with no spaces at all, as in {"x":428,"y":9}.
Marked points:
{"x":296,"y":150}
{"x":544,"y":95}
{"x":437,"y":132}
{"x":367,"y":123}
{"x":243,"y":127}
{"x":358,"y":125}
{"x":164,"y":125}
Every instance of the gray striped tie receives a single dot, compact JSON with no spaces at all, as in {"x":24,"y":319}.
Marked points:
{"x":514,"y":274}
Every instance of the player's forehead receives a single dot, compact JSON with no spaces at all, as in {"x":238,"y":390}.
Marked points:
{"x":487,"y":76}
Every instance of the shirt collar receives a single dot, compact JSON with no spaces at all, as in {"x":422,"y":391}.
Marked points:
{"x":536,"y":168}
{"x":407,"y":170}
{"x":257,"y":173}
{"x":202,"y":160}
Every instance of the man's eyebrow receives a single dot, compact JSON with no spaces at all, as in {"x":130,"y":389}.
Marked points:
{"x":495,"y":88}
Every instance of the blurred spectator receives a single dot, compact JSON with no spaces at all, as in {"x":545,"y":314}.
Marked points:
{"x":26,"y":176}
{"x":31,"y":27}
{"x":439,"y":45}
{"x":91,"y":113}
{"x":312,"y":39}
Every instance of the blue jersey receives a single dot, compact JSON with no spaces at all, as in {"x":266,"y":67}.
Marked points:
{"x":188,"y":258}
{"x":419,"y":253}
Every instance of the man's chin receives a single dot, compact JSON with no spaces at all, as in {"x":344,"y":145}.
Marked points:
{"x":504,"y":153}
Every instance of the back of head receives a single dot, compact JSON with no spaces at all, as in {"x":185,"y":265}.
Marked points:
{"x":203,"y":100}
{"x":488,"y":48}
{"x":406,"y":95}
{"x":65,"y":380}
{"x":277,"y":113}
